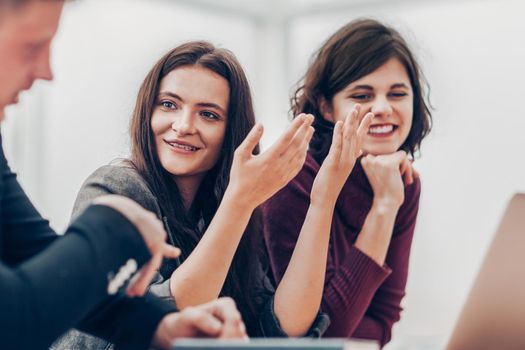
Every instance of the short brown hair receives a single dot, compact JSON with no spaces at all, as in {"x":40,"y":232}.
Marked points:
{"x":356,"y":50}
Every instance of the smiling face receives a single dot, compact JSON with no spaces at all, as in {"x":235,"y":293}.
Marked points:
{"x":189,"y":120}
{"x":25,"y":40}
{"x":387,"y":93}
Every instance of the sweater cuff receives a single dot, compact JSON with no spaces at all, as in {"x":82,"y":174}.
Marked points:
{"x":161,"y":288}
{"x":270,"y":327}
{"x":363,"y":271}
{"x":113,"y":239}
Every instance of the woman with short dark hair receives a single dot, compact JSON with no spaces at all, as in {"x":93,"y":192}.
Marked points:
{"x":365,"y":65}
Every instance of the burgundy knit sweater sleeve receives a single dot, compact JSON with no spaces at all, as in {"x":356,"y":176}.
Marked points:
{"x":374,"y":308}
{"x":362,"y":298}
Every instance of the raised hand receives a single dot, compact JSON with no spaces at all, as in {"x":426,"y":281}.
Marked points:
{"x":255,"y":178}
{"x":153,"y":233}
{"x":345,"y":149}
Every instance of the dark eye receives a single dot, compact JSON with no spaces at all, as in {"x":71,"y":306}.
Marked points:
{"x":34,"y":48}
{"x":168,"y":105}
{"x":210,"y":115}
{"x":398,"y":94}
{"x":31,"y":52}
{"x":361,"y":97}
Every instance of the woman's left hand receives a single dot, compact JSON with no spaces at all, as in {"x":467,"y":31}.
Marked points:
{"x":345,"y":149}
{"x":255,"y":178}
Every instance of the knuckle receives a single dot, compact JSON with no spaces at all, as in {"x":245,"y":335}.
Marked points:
{"x":191,"y":311}
{"x":227,"y":302}
{"x":238,"y":152}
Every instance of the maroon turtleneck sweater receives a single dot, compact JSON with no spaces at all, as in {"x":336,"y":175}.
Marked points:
{"x":362,"y":298}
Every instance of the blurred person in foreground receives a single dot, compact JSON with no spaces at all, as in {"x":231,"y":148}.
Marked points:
{"x":50,"y":283}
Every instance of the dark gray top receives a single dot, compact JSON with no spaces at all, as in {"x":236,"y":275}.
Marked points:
{"x":123,"y":179}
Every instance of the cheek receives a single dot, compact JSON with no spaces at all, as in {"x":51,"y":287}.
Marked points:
{"x":159,"y":125}
{"x":342,"y":109}
{"x":215,"y":139}
{"x":154,"y":123}
{"x":406,"y":112}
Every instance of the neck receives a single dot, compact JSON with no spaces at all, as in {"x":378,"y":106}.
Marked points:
{"x":188,"y":187}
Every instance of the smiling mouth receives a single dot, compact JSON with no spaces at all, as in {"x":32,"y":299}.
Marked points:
{"x":382,"y":129}
{"x":182,"y":147}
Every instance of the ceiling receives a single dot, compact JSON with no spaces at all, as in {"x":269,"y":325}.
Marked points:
{"x":272,"y":9}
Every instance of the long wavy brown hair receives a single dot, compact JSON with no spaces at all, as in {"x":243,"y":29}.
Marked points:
{"x":241,"y":280}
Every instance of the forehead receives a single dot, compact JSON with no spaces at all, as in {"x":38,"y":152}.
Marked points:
{"x":197,"y":83}
{"x":391,"y":72}
{"x":36,"y":20}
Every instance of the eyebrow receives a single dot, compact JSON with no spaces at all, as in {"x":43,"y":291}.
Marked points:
{"x":368,"y":87}
{"x":200,"y":104}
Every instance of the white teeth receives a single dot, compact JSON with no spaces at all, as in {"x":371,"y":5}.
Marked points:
{"x":184,"y":147}
{"x":381,"y":129}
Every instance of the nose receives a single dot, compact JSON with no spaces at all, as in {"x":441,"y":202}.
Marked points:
{"x":184,"y":124}
{"x":42,"y":69}
{"x":381,"y":107}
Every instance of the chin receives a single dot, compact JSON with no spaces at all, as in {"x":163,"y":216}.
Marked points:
{"x":177,"y":171}
{"x":377,"y":150}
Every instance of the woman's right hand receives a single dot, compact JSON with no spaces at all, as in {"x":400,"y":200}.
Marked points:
{"x":388,"y":174}
{"x":255,"y":178}
{"x":346,"y":147}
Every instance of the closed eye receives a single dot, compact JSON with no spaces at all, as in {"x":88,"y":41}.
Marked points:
{"x":398,"y":94}
{"x":32,"y":50}
{"x":361,"y":97}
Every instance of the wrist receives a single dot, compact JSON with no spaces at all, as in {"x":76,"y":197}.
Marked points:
{"x":323,"y":199}
{"x":386,"y":205}
{"x":237,"y":201}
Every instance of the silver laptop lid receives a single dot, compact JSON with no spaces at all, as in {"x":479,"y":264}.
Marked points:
{"x":276,"y":344}
{"x":493,"y":316}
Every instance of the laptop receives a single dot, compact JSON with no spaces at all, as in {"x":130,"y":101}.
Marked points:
{"x":493,"y":316}
{"x":276,"y":344}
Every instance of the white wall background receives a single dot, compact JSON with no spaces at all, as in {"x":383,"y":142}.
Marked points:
{"x":472,"y":52}
{"x":102,"y":53}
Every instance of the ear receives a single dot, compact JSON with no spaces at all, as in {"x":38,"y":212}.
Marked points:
{"x":326,"y":110}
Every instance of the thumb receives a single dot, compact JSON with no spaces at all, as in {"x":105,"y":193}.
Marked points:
{"x":399,"y":157}
{"x":245,"y":149}
{"x":206,"y":323}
